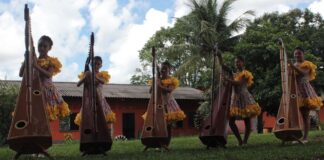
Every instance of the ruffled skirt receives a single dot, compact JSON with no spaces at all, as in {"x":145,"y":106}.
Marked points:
{"x":56,"y":106}
{"x":307,"y":96}
{"x":174,"y":112}
{"x":243,"y":105}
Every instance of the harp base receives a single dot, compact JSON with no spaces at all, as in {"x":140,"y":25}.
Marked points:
{"x":18,"y":154}
{"x":213,"y":141}
{"x":29,"y":144}
{"x":289,"y":135}
{"x":95,"y":148}
{"x":156,"y":142}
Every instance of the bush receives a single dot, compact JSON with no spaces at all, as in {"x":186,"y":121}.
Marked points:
{"x":8,"y":95}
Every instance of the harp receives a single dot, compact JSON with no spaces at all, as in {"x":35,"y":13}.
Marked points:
{"x":94,"y":134}
{"x":155,"y":132}
{"x":289,"y":124}
{"x":29,"y":130}
{"x":213,"y":132}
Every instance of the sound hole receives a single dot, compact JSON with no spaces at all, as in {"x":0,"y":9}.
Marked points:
{"x":281,"y":121}
{"x":21,"y":124}
{"x":159,"y":107}
{"x":207,"y":127}
{"x":293,"y":96}
{"x":87,"y":131}
{"x":148,"y":129}
{"x":36,"y":92}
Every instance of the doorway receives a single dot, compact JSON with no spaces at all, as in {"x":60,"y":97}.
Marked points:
{"x":129,"y":125}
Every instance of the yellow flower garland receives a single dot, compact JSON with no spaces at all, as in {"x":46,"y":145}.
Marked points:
{"x":311,"y":66}
{"x":144,"y":115}
{"x":167,"y":82}
{"x":249,"y":111}
{"x":50,"y":62}
{"x":103,"y":74}
{"x":77,"y":119}
{"x":60,"y":110}
{"x":311,"y":103}
{"x":244,"y":74}
{"x":175,"y":116}
{"x":81,"y":75}
{"x":171,"y":81}
{"x":172,"y":116}
{"x":110,"y":118}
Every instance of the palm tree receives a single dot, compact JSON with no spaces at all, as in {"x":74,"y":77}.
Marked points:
{"x":209,"y":25}
{"x":187,"y":44}
{"x":214,"y":24}
{"x":213,"y":27}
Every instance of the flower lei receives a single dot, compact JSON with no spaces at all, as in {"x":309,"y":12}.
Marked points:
{"x":311,"y":66}
{"x":171,"y":81}
{"x":103,"y":74}
{"x":244,"y":74}
{"x":50,"y":62}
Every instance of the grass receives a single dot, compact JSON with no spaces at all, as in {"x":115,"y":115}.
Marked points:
{"x":260,"y":147}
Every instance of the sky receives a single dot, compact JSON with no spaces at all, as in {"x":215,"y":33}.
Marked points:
{"x":121,"y":29}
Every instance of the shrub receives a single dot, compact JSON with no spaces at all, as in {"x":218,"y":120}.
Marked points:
{"x":8,"y":95}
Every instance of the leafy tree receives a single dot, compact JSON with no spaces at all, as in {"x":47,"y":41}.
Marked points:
{"x":188,"y":44}
{"x":259,"y":46}
{"x":8,"y":95}
{"x":140,"y":77}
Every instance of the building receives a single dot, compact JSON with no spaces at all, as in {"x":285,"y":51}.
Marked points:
{"x":128,"y":102}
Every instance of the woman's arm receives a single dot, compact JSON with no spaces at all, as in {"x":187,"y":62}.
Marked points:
{"x":298,"y":70}
{"x":234,"y":82}
{"x":81,"y":81}
{"x":100,"y":80}
{"x":166,"y":88}
{"x":48,"y":73}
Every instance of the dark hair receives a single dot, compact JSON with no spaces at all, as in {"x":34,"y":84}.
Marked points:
{"x":299,"y":48}
{"x":240,"y":58}
{"x":166,"y":63}
{"x":97,"y":58}
{"x":46,"y":38}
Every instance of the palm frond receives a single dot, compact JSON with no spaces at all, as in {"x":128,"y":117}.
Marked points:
{"x":240,"y":22}
{"x":208,"y":33}
{"x":223,"y":11}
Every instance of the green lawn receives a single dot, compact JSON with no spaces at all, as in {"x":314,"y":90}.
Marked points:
{"x":260,"y":147}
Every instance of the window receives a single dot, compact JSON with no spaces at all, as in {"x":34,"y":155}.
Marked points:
{"x":64,"y":124}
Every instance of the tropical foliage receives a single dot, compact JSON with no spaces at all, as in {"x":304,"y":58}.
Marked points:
{"x":8,"y":94}
{"x":189,"y":43}
{"x":259,"y":47}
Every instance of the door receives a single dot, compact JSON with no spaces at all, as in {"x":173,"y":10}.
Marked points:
{"x":129,"y":125}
